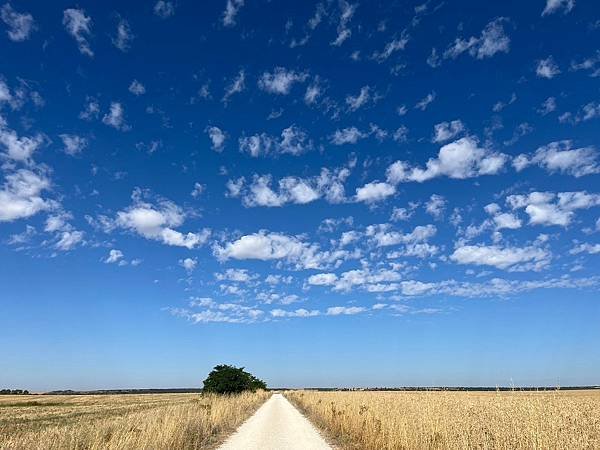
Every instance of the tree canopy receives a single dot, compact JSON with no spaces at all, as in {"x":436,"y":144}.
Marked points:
{"x":226,"y":379}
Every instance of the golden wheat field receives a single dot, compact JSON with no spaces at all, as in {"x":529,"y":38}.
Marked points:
{"x":456,"y":420}
{"x":149,"y":421}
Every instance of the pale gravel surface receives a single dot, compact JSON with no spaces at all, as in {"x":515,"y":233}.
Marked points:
{"x":277,"y":425}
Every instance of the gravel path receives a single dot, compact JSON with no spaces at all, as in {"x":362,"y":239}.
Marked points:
{"x":277,"y":425}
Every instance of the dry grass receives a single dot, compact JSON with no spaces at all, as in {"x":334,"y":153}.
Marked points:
{"x":150,"y":421}
{"x":456,"y":420}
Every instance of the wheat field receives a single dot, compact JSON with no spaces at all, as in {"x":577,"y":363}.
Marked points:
{"x":456,"y":420}
{"x":149,"y":421}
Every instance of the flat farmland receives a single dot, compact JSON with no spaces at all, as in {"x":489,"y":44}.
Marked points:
{"x":149,"y":421}
{"x":455,"y":420}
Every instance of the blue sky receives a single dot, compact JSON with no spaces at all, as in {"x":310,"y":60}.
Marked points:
{"x":330,"y":194}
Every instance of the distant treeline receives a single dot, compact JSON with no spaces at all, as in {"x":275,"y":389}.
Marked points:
{"x":14,"y":392}
{"x":453,"y":388}
{"x":127,"y":391}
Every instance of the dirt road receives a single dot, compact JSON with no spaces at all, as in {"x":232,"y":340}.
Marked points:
{"x":277,"y":425}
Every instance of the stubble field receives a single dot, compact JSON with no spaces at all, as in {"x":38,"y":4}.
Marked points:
{"x":149,"y":421}
{"x":456,"y":420}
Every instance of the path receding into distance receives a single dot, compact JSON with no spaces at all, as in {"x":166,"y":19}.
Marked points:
{"x":276,"y":425}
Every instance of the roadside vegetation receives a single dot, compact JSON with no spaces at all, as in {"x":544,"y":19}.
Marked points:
{"x":129,"y":421}
{"x":456,"y":420}
{"x":151,"y":421}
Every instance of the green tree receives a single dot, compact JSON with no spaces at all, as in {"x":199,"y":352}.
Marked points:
{"x":226,"y":379}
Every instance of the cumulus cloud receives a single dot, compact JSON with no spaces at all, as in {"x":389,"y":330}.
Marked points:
{"x":123,"y":37}
{"x":516,"y":259}
{"x":158,"y":222}
{"x":502,"y":219}
{"x":553,"y":6}
{"x":492,"y":40}
{"x":17,"y":148}
{"x":232,"y":8}
{"x":548,"y":106}
{"x":189,"y":264}
{"x":347,"y":11}
{"x":548,"y":208}
{"x":547,"y":68}
{"x":374,"y":192}
{"x":436,"y":206}
{"x":329,"y":184}
{"x":164,"y":9}
{"x":115,"y":256}
{"x":293,"y":141}
{"x":445,"y":131}
{"x":268,"y":246}
{"x":355,"y":102}
{"x":79,"y":26}
{"x":280,"y":81}
{"x":390,"y":48}
{"x":73,"y":144}
{"x":561,"y":157}
{"x":21,"y":195}
{"x":349,"y":135}
{"x":20,"y":25}
{"x":425,"y":101}
{"x":383,"y":235}
{"x":371,"y":281}
{"x":137,"y":88}
{"x":345,"y":310}
{"x":460,"y":159}
{"x":237,"y":85}
{"x":115,"y":117}
{"x":217,"y":138}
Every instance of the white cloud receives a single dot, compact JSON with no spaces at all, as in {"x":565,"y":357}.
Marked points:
{"x":115,"y":117}
{"x":20,"y":25}
{"x":279,"y":313}
{"x":436,"y":206}
{"x":508,"y":258}
{"x":592,"y":249}
{"x":236,"y":275}
{"x":313,"y":92}
{"x":492,"y":40}
{"x":69,"y":240}
{"x":349,"y":135}
{"x":137,"y":88}
{"x":391,"y":47}
{"x":198,"y":190}
{"x":322,"y":279}
{"x":445,"y":131}
{"x":189,"y":264}
{"x":460,"y":159}
{"x":267,"y":246}
{"x":79,"y":26}
{"x":354,"y":102}
{"x":73,"y":144}
{"x":374,"y":192}
{"x":345,"y":310}
{"x":293,"y":141}
{"x":280,"y":81}
{"x":383,"y":236}
{"x":157,"y":222}
{"x":426,"y":101}
{"x":91,"y":109}
{"x":18,"y":148}
{"x":114,"y":257}
{"x":20,"y":196}
{"x":232,"y":8}
{"x":553,"y":6}
{"x":548,"y":106}
{"x":347,"y":11}
{"x":547,"y":68}
{"x":502,"y":220}
{"x":548,"y":208}
{"x":237,"y":85}
{"x":217,"y":138}
{"x":164,"y":9}
{"x":561,"y":157}
{"x":123,"y":37}
{"x":328,"y":184}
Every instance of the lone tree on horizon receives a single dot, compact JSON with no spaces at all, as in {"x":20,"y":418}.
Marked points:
{"x":226,"y":379}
